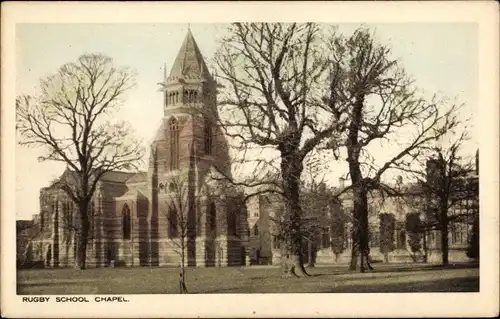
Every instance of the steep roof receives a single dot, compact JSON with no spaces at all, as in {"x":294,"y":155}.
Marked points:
{"x":189,"y":61}
{"x":116,"y":176}
{"x":112,"y":176}
{"x":138,"y":178}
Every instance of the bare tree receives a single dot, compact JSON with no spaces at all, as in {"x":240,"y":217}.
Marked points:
{"x":271,"y":72}
{"x":382,"y":106}
{"x":179,"y":205}
{"x":70,"y":119}
{"x":449,"y":190}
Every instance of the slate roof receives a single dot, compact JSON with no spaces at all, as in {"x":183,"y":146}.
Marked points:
{"x":138,"y":178}
{"x":116,"y":176}
{"x":189,"y":61}
{"x":113,"y":177}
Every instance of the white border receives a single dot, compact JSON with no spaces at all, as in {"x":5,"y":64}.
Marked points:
{"x":485,"y":303}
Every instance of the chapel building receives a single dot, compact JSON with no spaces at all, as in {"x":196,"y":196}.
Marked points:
{"x":144,"y":219}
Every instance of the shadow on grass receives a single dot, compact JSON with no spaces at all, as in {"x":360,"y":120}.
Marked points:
{"x":388,"y":268}
{"x":441,"y":285}
{"x":432,"y":286}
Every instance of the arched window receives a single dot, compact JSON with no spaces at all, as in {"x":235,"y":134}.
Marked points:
{"x":186,"y":97}
{"x":174,"y":144}
{"x":236,"y":226}
{"x":325,"y":238}
{"x":172,"y":222}
{"x":401,"y":243}
{"x":171,"y":187}
{"x":195,"y":97}
{"x":256,"y":230}
{"x":212,"y":219}
{"x":71,"y":213}
{"x":126,"y":222}
{"x":176,"y":97}
{"x":207,"y":132}
{"x":91,"y":219}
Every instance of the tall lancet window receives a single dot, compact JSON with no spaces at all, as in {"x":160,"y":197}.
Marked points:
{"x":212,"y":220}
{"x":174,"y":144}
{"x":91,"y":219}
{"x":207,"y":133}
{"x":126,"y":222}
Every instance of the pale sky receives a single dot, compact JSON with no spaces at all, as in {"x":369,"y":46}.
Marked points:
{"x":441,"y":57}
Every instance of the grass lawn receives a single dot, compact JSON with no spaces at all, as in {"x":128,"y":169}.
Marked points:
{"x":255,"y":279}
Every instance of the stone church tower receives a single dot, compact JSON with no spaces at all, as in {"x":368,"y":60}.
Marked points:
{"x":189,"y":150}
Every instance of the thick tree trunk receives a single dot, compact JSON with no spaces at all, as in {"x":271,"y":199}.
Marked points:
{"x":291,"y":169}
{"x":360,"y":227}
{"x":359,"y":187}
{"x":354,"y":253}
{"x":444,"y":242}
{"x":83,"y":235}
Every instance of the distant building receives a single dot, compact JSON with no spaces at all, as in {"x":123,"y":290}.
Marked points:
{"x":265,"y":249}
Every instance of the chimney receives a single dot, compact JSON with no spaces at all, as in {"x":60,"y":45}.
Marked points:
{"x":341,"y":182}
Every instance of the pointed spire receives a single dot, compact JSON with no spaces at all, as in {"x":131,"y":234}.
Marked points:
{"x":189,"y":61}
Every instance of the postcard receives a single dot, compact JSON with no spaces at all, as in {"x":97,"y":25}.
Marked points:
{"x":249,"y":159}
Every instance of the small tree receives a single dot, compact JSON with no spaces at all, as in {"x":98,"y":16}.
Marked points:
{"x":387,"y":229}
{"x":338,"y":236}
{"x":70,"y":119}
{"x":446,"y":181}
{"x":179,"y":205}
{"x":415,"y":233}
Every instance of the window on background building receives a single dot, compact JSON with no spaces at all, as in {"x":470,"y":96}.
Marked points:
{"x":374,"y":239}
{"x":236,"y":221}
{"x":174,"y":144}
{"x":325,"y":237}
{"x":71,"y":213}
{"x":276,"y":242}
{"x":91,"y":219}
{"x":401,"y":241}
{"x":126,"y":222}
{"x":348,"y":236}
{"x":207,"y":133}
{"x":256,"y":213}
{"x":256,"y":230}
